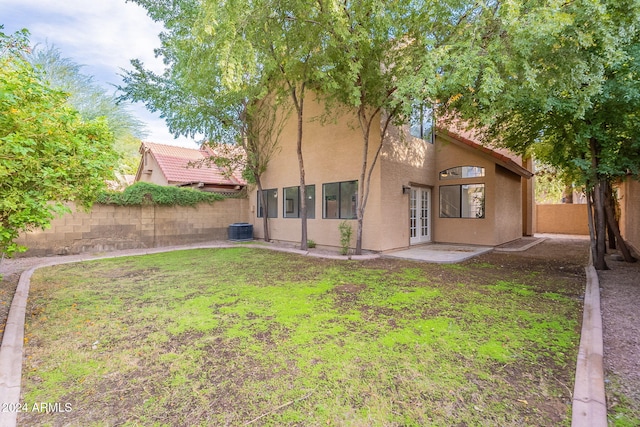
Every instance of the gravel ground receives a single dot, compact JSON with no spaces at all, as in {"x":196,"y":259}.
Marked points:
{"x":620,"y":304}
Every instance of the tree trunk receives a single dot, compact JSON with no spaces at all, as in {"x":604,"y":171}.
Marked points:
{"x":610,"y":201}
{"x":592,"y":232}
{"x":263,"y":201}
{"x":567,"y":194}
{"x":598,"y":207}
{"x":611,"y":238}
{"x":365,"y":126}
{"x":365,"y":175}
{"x":303,"y":190}
{"x":613,"y":226}
{"x":600,"y":225}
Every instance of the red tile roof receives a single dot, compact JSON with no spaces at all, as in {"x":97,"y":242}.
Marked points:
{"x":174,"y":164}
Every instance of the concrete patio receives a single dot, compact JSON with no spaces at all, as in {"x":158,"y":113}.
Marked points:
{"x":440,"y":253}
{"x":447,"y":253}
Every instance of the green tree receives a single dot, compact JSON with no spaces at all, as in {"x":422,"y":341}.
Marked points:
{"x":48,"y":154}
{"x":294,"y":55}
{"x":560,"y":77}
{"x":368,"y":64}
{"x":552,"y":186}
{"x":378,"y":59}
{"x":228,"y":65}
{"x":259,"y":126}
{"x":385,"y":59}
{"x":92,"y":101}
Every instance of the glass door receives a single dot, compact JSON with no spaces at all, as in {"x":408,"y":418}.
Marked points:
{"x":420,"y":215}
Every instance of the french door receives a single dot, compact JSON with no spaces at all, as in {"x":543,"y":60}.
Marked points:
{"x":420,"y":215}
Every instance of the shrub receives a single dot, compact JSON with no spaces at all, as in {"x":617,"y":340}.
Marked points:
{"x":311,"y":244}
{"x":345,"y":237}
{"x":144,"y":193}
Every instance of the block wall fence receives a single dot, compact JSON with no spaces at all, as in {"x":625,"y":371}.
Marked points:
{"x":109,"y":227}
{"x":562,"y":219}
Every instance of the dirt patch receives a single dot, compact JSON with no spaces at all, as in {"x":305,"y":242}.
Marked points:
{"x":557,"y":255}
{"x":8,"y":286}
{"x":348,"y":288}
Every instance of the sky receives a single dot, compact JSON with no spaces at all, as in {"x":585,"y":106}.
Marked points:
{"x":102,"y":36}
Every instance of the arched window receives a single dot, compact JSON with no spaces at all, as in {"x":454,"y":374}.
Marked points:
{"x":462,"y":172}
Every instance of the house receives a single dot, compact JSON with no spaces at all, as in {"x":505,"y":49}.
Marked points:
{"x":444,"y":189}
{"x":178,"y":166}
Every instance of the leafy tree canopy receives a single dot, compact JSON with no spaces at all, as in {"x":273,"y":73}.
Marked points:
{"x":48,"y":154}
{"x":562,"y":80}
{"x":555,"y":76}
{"x":92,"y":101}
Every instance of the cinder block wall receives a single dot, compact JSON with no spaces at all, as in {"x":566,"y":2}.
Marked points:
{"x":562,"y":219}
{"x":108,"y":227}
{"x":629,"y":199}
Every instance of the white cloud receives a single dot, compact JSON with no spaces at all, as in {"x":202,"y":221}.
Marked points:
{"x":102,"y":35}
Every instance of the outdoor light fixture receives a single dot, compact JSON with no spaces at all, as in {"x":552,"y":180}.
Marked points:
{"x":406,"y":189}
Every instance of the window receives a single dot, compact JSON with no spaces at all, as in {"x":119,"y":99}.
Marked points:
{"x":272,"y":203}
{"x":339,"y":199}
{"x":462,"y":172}
{"x":421,"y":123}
{"x":292,"y":202}
{"x":462,"y":201}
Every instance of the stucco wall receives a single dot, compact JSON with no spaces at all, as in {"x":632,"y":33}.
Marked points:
{"x":528,"y":201}
{"x":108,"y":227}
{"x":405,"y":161}
{"x":464,"y":230}
{"x":333,"y":153}
{"x":330,"y":156}
{"x":503,"y":221}
{"x":508,"y":212}
{"x":155,"y":176}
{"x":629,"y":197}
{"x":562,"y":219}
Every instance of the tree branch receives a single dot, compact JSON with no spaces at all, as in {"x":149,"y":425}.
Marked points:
{"x":284,"y":405}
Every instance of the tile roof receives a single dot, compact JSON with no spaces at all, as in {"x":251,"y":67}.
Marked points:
{"x":174,"y":162}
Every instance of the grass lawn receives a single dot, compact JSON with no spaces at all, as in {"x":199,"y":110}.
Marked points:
{"x":252,"y":337}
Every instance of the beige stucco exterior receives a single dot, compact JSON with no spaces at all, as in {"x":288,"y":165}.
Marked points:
{"x":629,"y":199}
{"x":404,"y":161}
{"x":333,"y":153}
{"x":329,"y":156}
{"x":503,"y":193}
{"x":150,"y":171}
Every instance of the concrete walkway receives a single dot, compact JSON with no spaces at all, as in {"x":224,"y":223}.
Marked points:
{"x":589,"y":408}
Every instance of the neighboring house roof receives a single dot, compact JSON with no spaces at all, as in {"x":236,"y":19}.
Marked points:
{"x":174,"y":164}
{"x":493,"y":155}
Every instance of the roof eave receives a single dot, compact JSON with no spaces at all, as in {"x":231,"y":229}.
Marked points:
{"x":485,"y":152}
